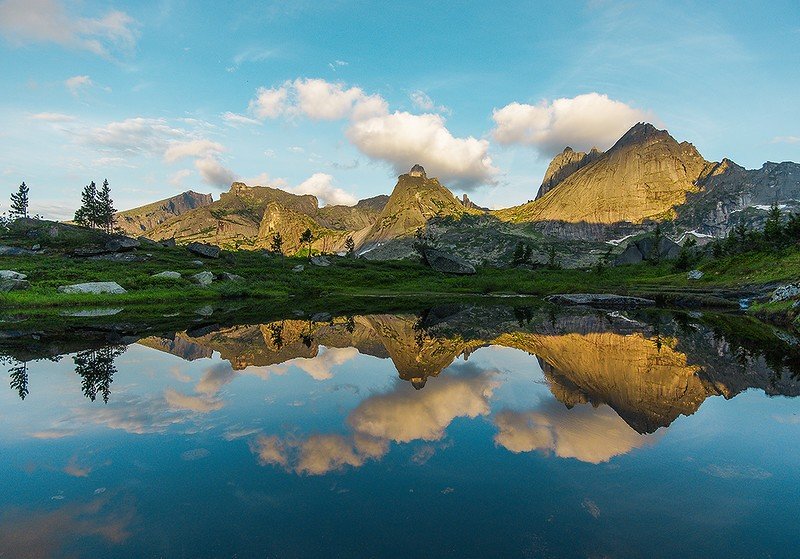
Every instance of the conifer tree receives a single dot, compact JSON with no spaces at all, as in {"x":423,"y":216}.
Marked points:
{"x":19,"y":202}
{"x":86,"y":215}
{"x":277,"y":243}
{"x":306,"y":239}
{"x":105,"y":209}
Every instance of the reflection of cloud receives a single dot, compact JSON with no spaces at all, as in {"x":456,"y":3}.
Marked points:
{"x":199,"y":404}
{"x":134,"y":415}
{"x":405,"y":414}
{"x":44,"y":534}
{"x":589,"y":434}
{"x":730,"y":471}
{"x":76,"y":470}
{"x":401,"y":415}
{"x":49,"y":434}
{"x":318,"y":368}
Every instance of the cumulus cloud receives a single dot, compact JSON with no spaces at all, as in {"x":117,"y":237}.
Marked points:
{"x":214,"y":173}
{"x":593,"y":435}
{"x":403,"y":139}
{"x":76,"y":83}
{"x":582,"y":122}
{"x":400,"y":138}
{"x":48,"y":21}
{"x":199,"y":404}
{"x":321,"y":186}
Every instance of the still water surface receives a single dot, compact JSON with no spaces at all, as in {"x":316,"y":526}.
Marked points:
{"x":461,"y":432}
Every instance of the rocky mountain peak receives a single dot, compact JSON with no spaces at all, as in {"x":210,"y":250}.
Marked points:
{"x":418,"y":171}
{"x":641,"y":133}
{"x":563,"y":165}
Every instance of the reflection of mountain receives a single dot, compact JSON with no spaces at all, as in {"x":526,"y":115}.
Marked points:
{"x":648,"y":378}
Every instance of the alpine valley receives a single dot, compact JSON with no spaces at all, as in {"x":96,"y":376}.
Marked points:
{"x":589,"y":206}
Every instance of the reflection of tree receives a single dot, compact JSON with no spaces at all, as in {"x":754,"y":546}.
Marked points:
{"x":350,"y":324}
{"x":524,"y":315}
{"x":308,"y":337}
{"x":18,"y":372}
{"x":97,"y":369}
{"x":276,"y":334}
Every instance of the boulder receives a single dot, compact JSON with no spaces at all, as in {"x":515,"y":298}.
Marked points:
{"x":14,"y":251}
{"x":230,"y":277}
{"x":631,"y":255}
{"x":11,"y":284}
{"x":203,"y":249}
{"x":320,"y":261}
{"x":86,"y":251}
{"x":298,"y":268}
{"x":167,"y":275}
{"x":93,"y":287}
{"x":37,"y":246}
{"x":122,"y":244}
{"x":784,"y":292}
{"x":197,"y":263}
{"x":206,"y":310}
{"x":11,"y":274}
{"x":694,"y":275}
{"x":168,"y":243}
{"x":204,"y":279}
{"x":601,"y":300}
{"x":447,"y":263}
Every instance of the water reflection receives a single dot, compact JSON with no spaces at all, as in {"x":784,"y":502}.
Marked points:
{"x":228,"y":417}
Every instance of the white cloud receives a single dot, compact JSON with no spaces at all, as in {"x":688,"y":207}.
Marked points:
{"x":250,"y":55}
{"x":269,"y":103}
{"x":403,"y":139}
{"x":336,"y":64}
{"x":76,"y":83}
{"x":200,"y":404}
{"x":48,"y":21}
{"x":582,"y":122}
{"x":321,"y":186}
{"x":178,"y":177}
{"x":422,"y":101}
{"x":214,"y":173}
{"x":52,"y":117}
{"x":236,"y":120}
{"x":192,"y":148}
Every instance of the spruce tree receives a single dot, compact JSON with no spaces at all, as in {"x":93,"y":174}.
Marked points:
{"x":86,"y":215}
{"x":19,"y":202}
{"x":306,"y":239}
{"x":105,"y":208}
{"x":277,"y":244}
{"x":773,"y":228}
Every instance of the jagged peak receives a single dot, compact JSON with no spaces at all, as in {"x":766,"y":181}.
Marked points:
{"x":641,"y":132}
{"x":418,"y":171}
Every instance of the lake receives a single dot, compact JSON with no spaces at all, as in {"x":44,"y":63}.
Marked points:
{"x":458,"y":431}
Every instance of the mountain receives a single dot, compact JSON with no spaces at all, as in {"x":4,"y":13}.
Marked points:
{"x":642,"y":177}
{"x":563,"y":165}
{"x":138,"y":221}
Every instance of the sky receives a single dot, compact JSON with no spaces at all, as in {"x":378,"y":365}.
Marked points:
{"x":337,"y":98}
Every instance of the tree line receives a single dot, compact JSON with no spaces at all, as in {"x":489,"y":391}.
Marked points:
{"x":306,"y":239}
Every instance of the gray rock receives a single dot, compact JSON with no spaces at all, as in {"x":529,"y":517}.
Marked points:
{"x":14,"y":251}
{"x":168,"y":243}
{"x":631,"y":255}
{"x":447,"y":263}
{"x":320,"y":261}
{"x":36,"y":247}
{"x":122,"y":244}
{"x":167,"y":275}
{"x":197,"y":263}
{"x":667,"y":248}
{"x":204,"y":279}
{"x":298,"y":268}
{"x":321,"y":317}
{"x":203,"y":249}
{"x":602,"y":300}
{"x":694,"y":275}
{"x":784,"y":292}
{"x":11,"y":274}
{"x":230,"y":277}
{"x":93,"y":287}
{"x":7,"y":285}
{"x":117,"y":257}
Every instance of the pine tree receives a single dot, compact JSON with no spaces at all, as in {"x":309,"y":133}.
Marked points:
{"x":87,"y":213}
{"x":350,"y":245}
{"x":105,"y":209}
{"x":306,"y":239}
{"x":19,"y":202}
{"x":519,"y":255}
{"x":277,"y":244}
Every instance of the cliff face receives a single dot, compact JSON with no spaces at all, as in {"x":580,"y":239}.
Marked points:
{"x":141,"y":220}
{"x":643,"y":176}
{"x":563,"y":165}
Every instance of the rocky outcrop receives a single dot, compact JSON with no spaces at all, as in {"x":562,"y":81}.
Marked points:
{"x":204,"y":250}
{"x":447,"y":263}
{"x":139,"y":221}
{"x":646,"y":249}
{"x":563,"y":165}
{"x":644,"y":176}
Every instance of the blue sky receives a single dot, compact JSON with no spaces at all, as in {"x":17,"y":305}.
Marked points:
{"x":337,"y":99}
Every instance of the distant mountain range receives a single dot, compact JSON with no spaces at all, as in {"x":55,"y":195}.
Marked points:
{"x":586,"y":203}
